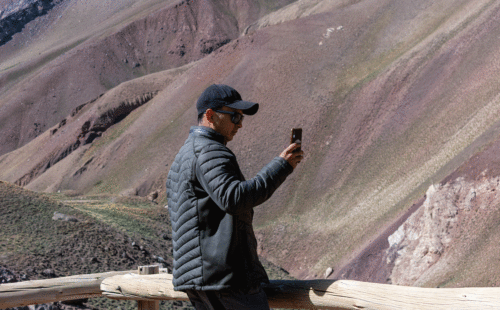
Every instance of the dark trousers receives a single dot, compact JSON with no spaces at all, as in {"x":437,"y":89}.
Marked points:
{"x":228,"y":299}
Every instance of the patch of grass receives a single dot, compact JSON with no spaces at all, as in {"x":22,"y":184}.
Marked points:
{"x":137,"y":219}
{"x":10,"y":67}
{"x":270,"y":6}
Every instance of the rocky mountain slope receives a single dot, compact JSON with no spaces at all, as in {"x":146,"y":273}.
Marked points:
{"x":45,"y":88}
{"x":450,"y":238}
{"x":393,"y":97}
{"x":44,"y":238}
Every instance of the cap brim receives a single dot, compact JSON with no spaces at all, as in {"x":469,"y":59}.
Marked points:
{"x":248,"y":108}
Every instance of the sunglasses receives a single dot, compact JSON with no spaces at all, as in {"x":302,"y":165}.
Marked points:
{"x":236,"y":118}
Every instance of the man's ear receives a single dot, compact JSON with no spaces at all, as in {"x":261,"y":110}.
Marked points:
{"x":209,"y":114}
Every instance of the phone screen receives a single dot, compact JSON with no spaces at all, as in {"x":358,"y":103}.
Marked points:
{"x":296,"y":136}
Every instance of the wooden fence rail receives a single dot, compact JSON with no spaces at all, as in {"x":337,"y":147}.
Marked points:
{"x":59,"y":289}
{"x":313,"y":294}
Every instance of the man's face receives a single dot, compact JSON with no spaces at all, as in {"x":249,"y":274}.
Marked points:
{"x":224,"y":125}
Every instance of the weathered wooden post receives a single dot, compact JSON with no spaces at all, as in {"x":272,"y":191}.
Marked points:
{"x":149,"y":305}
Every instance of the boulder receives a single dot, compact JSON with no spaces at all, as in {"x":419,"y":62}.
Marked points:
{"x":64,"y":217}
{"x":328,"y":272}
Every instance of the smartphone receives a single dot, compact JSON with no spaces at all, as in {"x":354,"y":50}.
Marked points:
{"x":296,"y":137}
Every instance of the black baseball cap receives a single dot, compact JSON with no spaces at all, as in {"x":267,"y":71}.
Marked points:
{"x":217,"y":96}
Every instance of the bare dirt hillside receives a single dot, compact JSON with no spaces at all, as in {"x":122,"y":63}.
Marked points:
{"x":393,"y":96}
{"x":58,"y":63}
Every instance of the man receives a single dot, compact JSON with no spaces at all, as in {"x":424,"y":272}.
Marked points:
{"x":211,"y":207}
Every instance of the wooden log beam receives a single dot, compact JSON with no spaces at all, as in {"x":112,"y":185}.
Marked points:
{"x":321,"y":294}
{"x":59,"y":289}
{"x":314,"y":294}
{"x":141,"y":287}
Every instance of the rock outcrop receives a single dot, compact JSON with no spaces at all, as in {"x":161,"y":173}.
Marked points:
{"x":425,"y":237}
{"x":63,"y":217}
{"x":93,"y":127}
{"x":14,"y":15}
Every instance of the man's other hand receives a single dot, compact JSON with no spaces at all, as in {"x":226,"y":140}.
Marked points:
{"x":293,"y":158}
